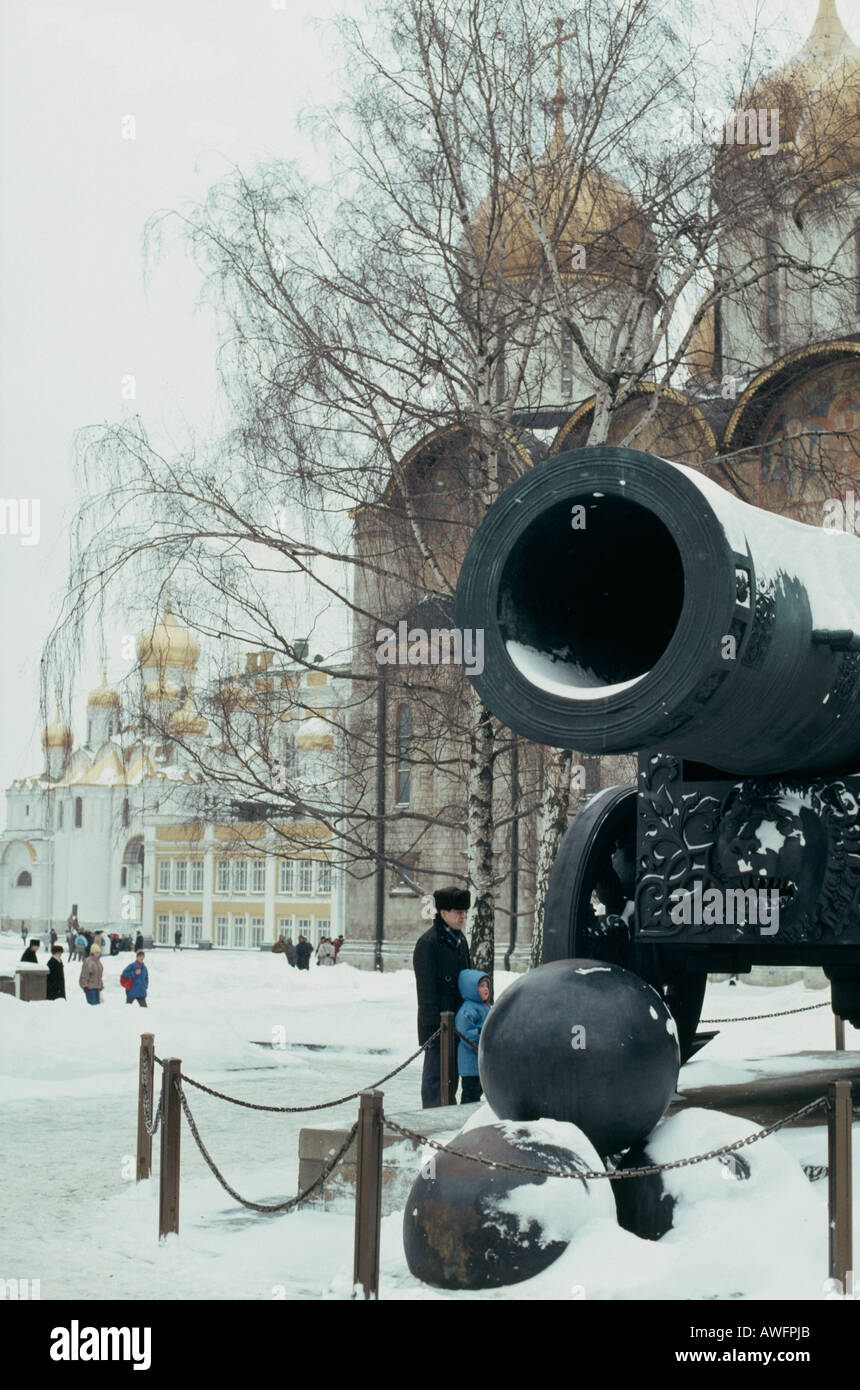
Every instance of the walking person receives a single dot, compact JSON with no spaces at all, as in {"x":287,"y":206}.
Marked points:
{"x":325,"y":952}
{"x":80,"y":946}
{"x":303,"y":954}
{"x":56,"y":986}
{"x":475,"y":990}
{"x":47,"y":940}
{"x":70,"y":939}
{"x":439,"y":956}
{"x":177,"y":939}
{"x":91,"y":978}
{"x":290,"y":947}
{"x":138,"y":942}
{"x":135,"y":981}
{"x":24,"y":936}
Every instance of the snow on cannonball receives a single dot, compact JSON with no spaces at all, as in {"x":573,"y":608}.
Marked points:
{"x":584,"y":1042}
{"x":469,"y":1226}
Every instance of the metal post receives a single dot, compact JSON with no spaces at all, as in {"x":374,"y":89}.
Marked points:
{"x":381,"y":739}
{"x":168,"y":1177}
{"x":840,"y":1033}
{"x":448,"y":1055}
{"x":839,"y":1180}
{"x":146,"y":1067}
{"x":368,"y":1194}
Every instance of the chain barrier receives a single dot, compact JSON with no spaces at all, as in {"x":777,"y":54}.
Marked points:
{"x":615,"y":1175}
{"x":782,"y":1013}
{"x":814,"y":1171}
{"x":467,"y":1041}
{"x":151,"y":1129}
{"x":292,"y":1202}
{"x":302,"y":1109}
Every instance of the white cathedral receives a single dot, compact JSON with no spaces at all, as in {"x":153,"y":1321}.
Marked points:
{"x":111,"y":828}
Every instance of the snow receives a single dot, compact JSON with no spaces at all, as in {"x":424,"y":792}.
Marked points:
{"x":556,"y":674}
{"x":75,"y":1219}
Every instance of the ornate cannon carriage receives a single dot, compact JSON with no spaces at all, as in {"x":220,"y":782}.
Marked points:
{"x":628,"y":605}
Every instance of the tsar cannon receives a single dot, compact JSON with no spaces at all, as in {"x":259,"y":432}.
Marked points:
{"x":632,"y":605}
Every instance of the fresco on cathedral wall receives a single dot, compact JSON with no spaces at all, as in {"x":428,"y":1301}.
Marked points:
{"x":809,"y":448}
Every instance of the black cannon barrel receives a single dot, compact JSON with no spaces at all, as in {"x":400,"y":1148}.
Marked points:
{"x":628,"y":602}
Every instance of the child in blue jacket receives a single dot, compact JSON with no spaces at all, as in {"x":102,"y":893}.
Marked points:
{"x":475,"y":989}
{"x":135,"y":981}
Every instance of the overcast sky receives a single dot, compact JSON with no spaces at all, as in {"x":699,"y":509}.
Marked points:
{"x":208,"y":83}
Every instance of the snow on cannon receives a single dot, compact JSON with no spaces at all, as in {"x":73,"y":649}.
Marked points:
{"x":630,"y":604}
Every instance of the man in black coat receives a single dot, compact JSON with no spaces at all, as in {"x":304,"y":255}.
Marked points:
{"x":29,"y":956}
{"x":138,"y":942}
{"x":56,"y":987}
{"x":439,"y":956}
{"x":303,"y":953}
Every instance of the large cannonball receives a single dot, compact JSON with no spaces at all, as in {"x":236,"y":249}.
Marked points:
{"x":584,"y":1042}
{"x":467,"y":1226}
{"x":738,"y":1184}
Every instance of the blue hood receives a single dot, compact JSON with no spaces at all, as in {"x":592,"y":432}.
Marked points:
{"x":467,"y":983}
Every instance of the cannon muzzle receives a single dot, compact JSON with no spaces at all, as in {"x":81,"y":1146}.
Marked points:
{"x":628,"y":603}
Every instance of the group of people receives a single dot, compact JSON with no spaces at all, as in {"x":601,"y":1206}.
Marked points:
{"x":299,"y":953}
{"x":88,"y":948}
{"x":446,"y":983}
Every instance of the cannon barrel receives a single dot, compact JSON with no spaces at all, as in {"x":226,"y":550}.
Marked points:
{"x":628,"y":602}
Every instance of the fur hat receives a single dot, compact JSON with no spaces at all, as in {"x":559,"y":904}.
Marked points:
{"x":452,"y":899}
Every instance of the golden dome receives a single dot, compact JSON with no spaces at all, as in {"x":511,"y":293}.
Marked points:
{"x":315,"y":733}
{"x":236,"y":696}
{"x":103,"y":697}
{"x":602,"y":217}
{"x":699,"y":357}
{"x":161,"y":690}
{"x":57,"y":734}
{"x":186,"y":722}
{"x":828,"y":139}
{"x":168,"y":644}
{"x":787,"y":89}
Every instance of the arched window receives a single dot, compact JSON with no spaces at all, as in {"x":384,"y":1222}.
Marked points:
{"x":126,"y":814}
{"x":24,"y":879}
{"x":79,"y":812}
{"x":771,"y":288}
{"x":403,"y":766}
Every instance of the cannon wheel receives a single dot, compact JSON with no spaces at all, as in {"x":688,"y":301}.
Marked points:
{"x":592,"y":881}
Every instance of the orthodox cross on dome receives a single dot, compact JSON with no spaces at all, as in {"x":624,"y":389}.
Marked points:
{"x":559,"y":101}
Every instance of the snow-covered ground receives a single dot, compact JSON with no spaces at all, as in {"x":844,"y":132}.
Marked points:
{"x":74,"y":1218}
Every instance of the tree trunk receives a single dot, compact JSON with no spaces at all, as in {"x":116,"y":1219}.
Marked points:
{"x":480,"y":819}
{"x":554,"y":810}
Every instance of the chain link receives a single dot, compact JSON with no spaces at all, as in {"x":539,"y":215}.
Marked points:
{"x":151,"y":1129}
{"x":783,"y":1013}
{"x":302,"y":1109}
{"x":617,"y":1174}
{"x":292,"y":1202}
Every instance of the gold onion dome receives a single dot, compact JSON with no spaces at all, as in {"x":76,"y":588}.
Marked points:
{"x":169,"y":643}
{"x":315,"y":733}
{"x":186,"y":722}
{"x":236,"y":696}
{"x":103,"y":697}
{"x":161,"y":690}
{"x":57,"y":734}
{"x":787,"y":89}
{"x":577,"y":207}
{"x":828,"y":139}
{"x":588,"y":209}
